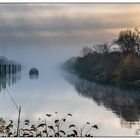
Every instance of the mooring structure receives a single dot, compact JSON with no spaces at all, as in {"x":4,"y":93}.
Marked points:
{"x":9,"y":71}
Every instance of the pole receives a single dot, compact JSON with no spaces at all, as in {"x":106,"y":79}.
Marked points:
{"x":46,"y":128}
{"x":18,"y":132}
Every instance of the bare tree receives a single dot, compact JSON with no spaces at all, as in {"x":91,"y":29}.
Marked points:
{"x":102,"y":48}
{"x":138,"y":42}
{"x":86,"y":50}
{"x":129,"y":41}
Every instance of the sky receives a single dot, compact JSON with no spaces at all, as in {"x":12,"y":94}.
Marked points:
{"x":61,"y":30}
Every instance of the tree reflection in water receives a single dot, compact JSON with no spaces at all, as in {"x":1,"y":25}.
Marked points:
{"x":125,"y":104}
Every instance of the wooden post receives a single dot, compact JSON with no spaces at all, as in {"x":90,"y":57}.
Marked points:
{"x":4,"y":70}
{"x":15,"y":68}
{"x":0,"y":71}
{"x":9,"y":69}
{"x":18,"y":129}
{"x":46,"y":128}
{"x":12,"y":69}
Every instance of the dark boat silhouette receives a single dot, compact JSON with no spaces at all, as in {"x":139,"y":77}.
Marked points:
{"x":33,"y":73}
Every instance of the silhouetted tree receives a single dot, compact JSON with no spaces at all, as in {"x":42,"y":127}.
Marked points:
{"x":86,"y":50}
{"x":138,"y":46}
{"x":129,"y":41}
{"x":103,"y":48}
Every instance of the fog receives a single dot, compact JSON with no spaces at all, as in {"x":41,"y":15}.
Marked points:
{"x":48,"y":34}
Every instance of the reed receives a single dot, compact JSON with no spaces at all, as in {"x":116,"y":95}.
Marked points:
{"x":49,"y":126}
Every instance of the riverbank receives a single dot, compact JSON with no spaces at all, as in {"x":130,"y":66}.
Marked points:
{"x":105,"y":65}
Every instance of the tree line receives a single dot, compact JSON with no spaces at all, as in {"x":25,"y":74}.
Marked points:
{"x":116,"y":63}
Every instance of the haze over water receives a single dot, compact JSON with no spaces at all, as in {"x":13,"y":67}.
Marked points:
{"x":44,"y":36}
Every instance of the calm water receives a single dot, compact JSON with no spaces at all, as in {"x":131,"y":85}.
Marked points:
{"x":116,"y":112}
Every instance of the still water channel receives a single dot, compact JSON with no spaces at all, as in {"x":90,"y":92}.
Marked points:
{"x":115,"y":111}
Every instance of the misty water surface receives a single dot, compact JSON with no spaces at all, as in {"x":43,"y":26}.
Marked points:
{"x":116,"y":112}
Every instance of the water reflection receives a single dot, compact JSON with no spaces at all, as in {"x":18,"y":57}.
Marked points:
{"x":125,"y":104}
{"x":34,"y":76}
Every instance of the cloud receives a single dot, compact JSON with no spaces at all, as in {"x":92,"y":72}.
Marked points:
{"x":31,"y":22}
{"x":33,"y":33}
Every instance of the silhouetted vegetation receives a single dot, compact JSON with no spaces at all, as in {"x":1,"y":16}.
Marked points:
{"x":2,"y":125}
{"x":57,"y":127}
{"x":117,"y":63}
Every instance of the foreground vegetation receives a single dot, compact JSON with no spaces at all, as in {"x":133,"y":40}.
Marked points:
{"x":44,"y":128}
{"x":117,"y":63}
